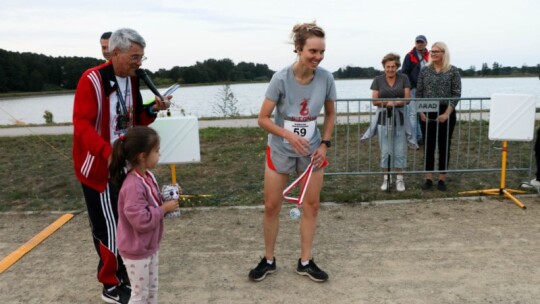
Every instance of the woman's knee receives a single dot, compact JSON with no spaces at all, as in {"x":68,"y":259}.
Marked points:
{"x":311,"y":208}
{"x":272,"y":208}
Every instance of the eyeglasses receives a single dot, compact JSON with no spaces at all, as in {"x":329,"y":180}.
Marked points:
{"x":137,"y":58}
{"x":436,"y":52}
{"x":419,"y":41}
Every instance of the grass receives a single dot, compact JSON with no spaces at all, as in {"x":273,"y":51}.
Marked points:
{"x":37,"y":171}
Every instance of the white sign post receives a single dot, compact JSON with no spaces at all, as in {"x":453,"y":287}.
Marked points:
{"x":179,"y":141}
{"x":511,"y":118}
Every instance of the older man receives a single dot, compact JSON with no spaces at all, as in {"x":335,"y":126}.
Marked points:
{"x":413,"y":62}
{"x":107,"y":103}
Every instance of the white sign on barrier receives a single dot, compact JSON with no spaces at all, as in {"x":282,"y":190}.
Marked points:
{"x":427,"y":106}
{"x":511,"y":117}
{"x":179,"y":139}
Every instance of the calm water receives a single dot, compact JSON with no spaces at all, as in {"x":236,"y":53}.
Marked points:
{"x":200,"y":101}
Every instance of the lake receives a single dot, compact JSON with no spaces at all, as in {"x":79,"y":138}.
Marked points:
{"x":200,"y":101}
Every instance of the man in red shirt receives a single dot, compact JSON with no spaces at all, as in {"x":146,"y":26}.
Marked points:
{"x":107,"y":103}
{"x":413,"y":62}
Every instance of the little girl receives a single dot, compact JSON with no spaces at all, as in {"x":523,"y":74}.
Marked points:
{"x":140,"y":210}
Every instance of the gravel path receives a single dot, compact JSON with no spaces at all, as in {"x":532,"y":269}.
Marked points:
{"x":447,"y":251}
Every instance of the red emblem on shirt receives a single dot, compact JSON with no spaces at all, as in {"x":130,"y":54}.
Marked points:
{"x":304,"y":111}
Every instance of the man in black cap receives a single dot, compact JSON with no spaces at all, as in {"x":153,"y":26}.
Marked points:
{"x":414,"y":61}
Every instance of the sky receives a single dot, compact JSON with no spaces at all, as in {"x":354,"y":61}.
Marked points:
{"x":358,"y":32}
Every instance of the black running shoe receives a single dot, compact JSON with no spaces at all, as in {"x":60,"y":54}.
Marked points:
{"x":312,"y":271}
{"x":259,"y":273}
{"x":124,"y":291}
{"x":441,"y":185}
{"x":111,"y":295}
{"x":427,"y":184}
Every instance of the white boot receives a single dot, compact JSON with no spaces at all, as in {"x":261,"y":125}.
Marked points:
{"x":400,"y":184}
{"x":384,"y":185}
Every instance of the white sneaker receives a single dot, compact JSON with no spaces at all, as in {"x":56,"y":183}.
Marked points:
{"x":400,"y":183}
{"x":384,"y":185}
{"x":532,"y":184}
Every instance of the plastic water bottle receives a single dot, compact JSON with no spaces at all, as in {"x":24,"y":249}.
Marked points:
{"x":295,"y":213}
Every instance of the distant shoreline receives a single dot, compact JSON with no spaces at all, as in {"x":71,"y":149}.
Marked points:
{"x":66,"y":92}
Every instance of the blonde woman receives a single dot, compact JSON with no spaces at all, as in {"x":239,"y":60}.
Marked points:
{"x":439,"y":79}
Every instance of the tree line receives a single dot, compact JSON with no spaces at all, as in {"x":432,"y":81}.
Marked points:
{"x":31,"y":72}
{"x":496,"y":70}
{"x":212,"y":71}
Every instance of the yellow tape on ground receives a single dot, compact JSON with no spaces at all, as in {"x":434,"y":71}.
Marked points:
{"x":36,"y":240}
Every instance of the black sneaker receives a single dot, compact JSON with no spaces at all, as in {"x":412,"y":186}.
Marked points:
{"x":312,"y":271}
{"x":124,"y":291}
{"x":441,"y":185}
{"x":259,"y":273}
{"x":111,"y":295}
{"x":427,"y":184}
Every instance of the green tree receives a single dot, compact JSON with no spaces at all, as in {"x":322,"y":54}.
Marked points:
{"x":496,"y":70}
{"x":356,"y":72}
{"x":3,"y":81}
{"x":470,"y":72}
{"x":35,"y":81}
{"x":485,"y":69}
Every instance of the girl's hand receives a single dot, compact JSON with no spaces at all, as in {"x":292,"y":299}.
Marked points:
{"x":423,"y":116}
{"x":169,"y":206}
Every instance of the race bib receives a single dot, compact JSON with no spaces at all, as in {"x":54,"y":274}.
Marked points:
{"x":302,"y":128}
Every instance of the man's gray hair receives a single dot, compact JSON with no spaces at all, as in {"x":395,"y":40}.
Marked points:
{"x":123,"y":38}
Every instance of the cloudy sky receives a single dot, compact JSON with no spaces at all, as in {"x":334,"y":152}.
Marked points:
{"x":359,"y":32}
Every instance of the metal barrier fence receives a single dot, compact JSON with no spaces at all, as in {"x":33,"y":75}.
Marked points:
{"x":471,"y":150}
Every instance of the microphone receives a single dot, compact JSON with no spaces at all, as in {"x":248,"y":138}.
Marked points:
{"x":142,"y":75}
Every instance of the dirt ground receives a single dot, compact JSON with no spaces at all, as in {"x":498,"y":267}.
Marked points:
{"x":448,"y":251}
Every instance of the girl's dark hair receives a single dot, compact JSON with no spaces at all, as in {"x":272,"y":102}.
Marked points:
{"x":301,"y":32}
{"x":127,"y":148}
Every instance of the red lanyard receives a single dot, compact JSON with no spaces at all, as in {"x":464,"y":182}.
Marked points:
{"x":299,"y":200}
